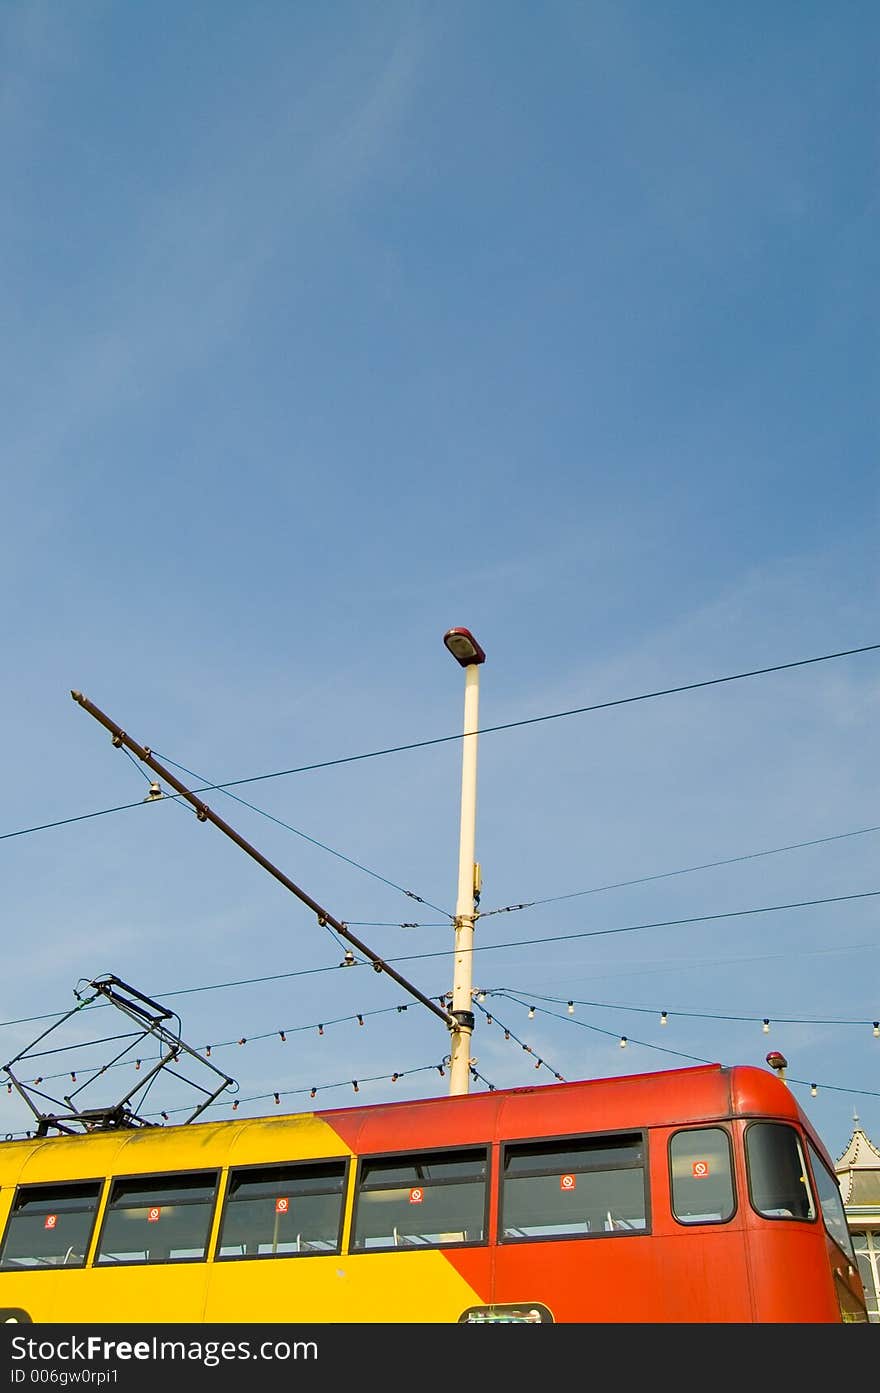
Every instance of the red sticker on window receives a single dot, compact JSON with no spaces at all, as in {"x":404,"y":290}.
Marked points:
{"x":567,"y":1182}
{"x":699,"y":1169}
{"x":282,"y":1206}
{"x":153,"y":1215}
{"x":416,"y":1196}
{"x":50,"y":1221}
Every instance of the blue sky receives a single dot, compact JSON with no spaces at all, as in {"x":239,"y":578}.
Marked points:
{"x":329,"y":328}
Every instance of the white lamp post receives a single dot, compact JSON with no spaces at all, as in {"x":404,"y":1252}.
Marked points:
{"x":468,"y":653}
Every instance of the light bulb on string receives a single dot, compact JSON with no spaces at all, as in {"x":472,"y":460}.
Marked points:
{"x":766,"y":1026}
{"x":663,"y":1018}
{"x":813,"y":1090}
{"x":282,"y":1036}
{"x":623,"y":1042}
{"x":571,"y":1008}
{"x":876,"y":1030}
{"x":531,"y":1013}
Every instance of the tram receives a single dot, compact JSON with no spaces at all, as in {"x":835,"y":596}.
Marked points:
{"x":701,"y":1194}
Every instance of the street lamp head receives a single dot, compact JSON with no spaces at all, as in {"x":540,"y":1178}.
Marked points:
{"x":777,"y":1061}
{"x":463,"y":647}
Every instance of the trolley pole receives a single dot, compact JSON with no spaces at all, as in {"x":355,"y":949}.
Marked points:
{"x":205,"y":814}
{"x":469,"y":655}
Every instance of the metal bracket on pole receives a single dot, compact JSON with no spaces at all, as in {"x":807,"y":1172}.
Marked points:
{"x":465,"y":1020}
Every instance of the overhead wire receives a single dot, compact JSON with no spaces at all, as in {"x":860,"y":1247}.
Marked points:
{"x":221,"y":788}
{"x":484,"y":730}
{"x":494,"y":947}
{"x":559,"y":715}
{"x":555,"y":938}
{"x":685,"y":870}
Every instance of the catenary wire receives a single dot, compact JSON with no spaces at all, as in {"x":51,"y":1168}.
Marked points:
{"x":485,"y":730}
{"x":665,"y":875}
{"x":297,"y":832}
{"x":492,"y":947}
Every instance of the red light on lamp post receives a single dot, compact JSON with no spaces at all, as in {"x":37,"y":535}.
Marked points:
{"x":778,"y":1063}
{"x":463,"y":647}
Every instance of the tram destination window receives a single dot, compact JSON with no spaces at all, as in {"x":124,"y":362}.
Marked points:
{"x":779,"y":1186}
{"x":433,"y":1199}
{"x":701,"y":1176}
{"x":50,"y":1226}
{"x":282,"y":1211}
{"x":582,"y":1187}
{"x":158,"y":1218}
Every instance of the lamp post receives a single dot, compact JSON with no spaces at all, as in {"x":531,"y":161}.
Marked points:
{"x":468,"y":653}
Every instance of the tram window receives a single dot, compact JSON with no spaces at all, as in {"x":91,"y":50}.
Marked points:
{"x":279,"y":1211}
{"x":586,"y":1186}
{"x":433,"y":1199}
{"x":158,"y":1218}
{"x":831,"y":1200}
{"x":50,"y":1226}
{"x":701,"y":1176}
{"x":779,"y":1185}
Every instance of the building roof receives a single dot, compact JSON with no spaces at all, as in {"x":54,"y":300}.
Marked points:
{"x":858,"y":1173}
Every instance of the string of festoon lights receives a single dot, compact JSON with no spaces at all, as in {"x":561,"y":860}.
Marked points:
{"x":320,"y":1027}
{"x":664,"y":1016}
{"x":312,"y":1091}
{"x":276,"y":1095}
{"x":478,"y":996}
{"x":509,"y":1034}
